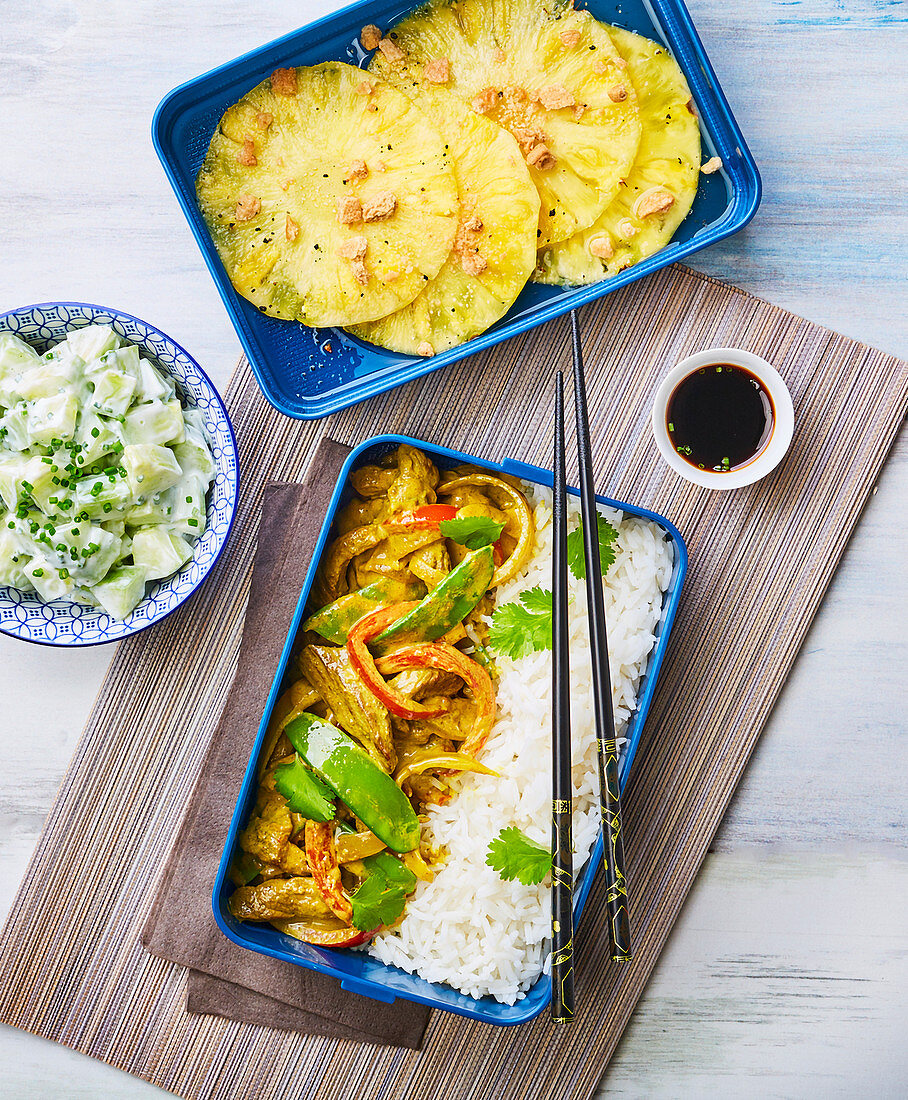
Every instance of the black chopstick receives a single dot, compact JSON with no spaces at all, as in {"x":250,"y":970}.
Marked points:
{"x":562,"y":1005}
{"x":607,"y":751}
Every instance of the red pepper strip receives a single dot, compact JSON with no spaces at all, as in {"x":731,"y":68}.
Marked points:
{"x":429,"y":515}
{"x":323,"y":935}
{"x":362,"y":660}
{"x":322,"y":860}
{"x":446,"y":658}
{"x":498,"y":554}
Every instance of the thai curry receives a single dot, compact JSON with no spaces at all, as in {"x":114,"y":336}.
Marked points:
{"x":391,"y":695}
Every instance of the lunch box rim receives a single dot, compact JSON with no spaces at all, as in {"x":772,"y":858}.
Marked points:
{"x":670,"y":17}
{"x":485,"y":1009}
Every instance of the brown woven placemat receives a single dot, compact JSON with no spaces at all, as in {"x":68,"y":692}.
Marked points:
{"x":71,"y":966}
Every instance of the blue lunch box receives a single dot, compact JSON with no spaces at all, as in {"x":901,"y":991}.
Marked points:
{"x":297,"y":372}
{"x":358,"y":972}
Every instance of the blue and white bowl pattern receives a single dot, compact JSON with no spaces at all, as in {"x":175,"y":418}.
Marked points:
{"x":61,"y":623}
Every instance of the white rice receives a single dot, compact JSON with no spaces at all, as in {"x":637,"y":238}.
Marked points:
{"x":469,"y":927}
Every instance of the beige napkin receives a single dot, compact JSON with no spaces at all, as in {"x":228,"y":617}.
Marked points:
{"x":225,"y":979}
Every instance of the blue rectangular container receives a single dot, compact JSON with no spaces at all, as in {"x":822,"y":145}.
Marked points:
{"x":297,"y":373}
{"x":358,"y":972}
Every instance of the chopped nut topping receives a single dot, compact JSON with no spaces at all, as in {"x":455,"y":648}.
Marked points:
{"x":618,"y":94}
{"x":579,"y":111}
{"x":437,"y":71}
{"x":516,"y":93}
{"x":247,"y":206}
{"x":264,"y":119}
{"x":528,"y":137}
{"x":473,"y":263}
{"x":425,"y":348}
{"x":474,"y":224}
{"x":555,"y":96}
{"x":484,"y":101}
{"x":381,"y":205}
{"x":349,"y":210}
{"x":291,"y":229}
{"x":246,"y":156}
{"x":358,"y":170}
{"x":712,"y":165}
{"x":391,"y":51}
{"x":541,"y":157}
{"x":364,"y":88}
{"x":692,"y":107}
{"x":327,"y":347}
{"x":360,"y":272}
{"x":570,"y":38}
{"x":370,"y":36}
{"x":601,"y":247}
{"x":621,"y":63}
{"x":599,"y":67}
{"x":627,"y":229}
{"x":353,"y":248}
{"x":287,"y":184}
{"x":499,"y":55}
{"x":380,"y":166}
{"x":283,"y":82}
{"x":654,"y":201}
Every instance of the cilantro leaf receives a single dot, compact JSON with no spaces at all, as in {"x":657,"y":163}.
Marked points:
{"x":306,"y":794}
{"x":519,"y":629}
{"x":377,"y":901}
{"x":607,"y":536}
{"x":514,"y":855}
{"x":381,"y":897}
{"x":473,"y":532}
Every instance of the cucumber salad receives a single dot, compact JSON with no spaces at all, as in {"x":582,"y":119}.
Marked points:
{"x":103,"y":472}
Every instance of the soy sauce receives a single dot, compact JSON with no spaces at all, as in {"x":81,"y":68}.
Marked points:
{"x":719,"y":417}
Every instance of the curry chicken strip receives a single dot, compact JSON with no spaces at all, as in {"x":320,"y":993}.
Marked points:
{"x":279,"y":899}
{"x":354,"y":706}
{"x":269,"y":828}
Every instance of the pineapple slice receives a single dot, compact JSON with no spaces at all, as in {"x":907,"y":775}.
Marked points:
{"x":552,"y":78}
{"x":330,"y":198}
{"x":663,"y":180}
{"x":495,"y":247}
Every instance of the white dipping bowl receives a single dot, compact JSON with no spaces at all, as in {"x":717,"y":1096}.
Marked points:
{"x":772,"y":451}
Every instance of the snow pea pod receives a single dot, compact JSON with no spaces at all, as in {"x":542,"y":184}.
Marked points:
{"x":446,"y":605}
{"x":357,"y":780}
{"x":334,"y":621}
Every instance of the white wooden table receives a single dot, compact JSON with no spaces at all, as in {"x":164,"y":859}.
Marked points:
{"x":786,"y":974}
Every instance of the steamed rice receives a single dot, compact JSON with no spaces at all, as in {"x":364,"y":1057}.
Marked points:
{"x":470,"y":928}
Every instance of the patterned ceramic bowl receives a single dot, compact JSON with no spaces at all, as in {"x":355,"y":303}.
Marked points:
{"x":60,"y":623}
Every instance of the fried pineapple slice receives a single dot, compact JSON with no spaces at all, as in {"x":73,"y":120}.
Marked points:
{"x":552,"y":78}
{"x":330,"y":197}
{"x":661,"y":186}
{"x":494,"y":249}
